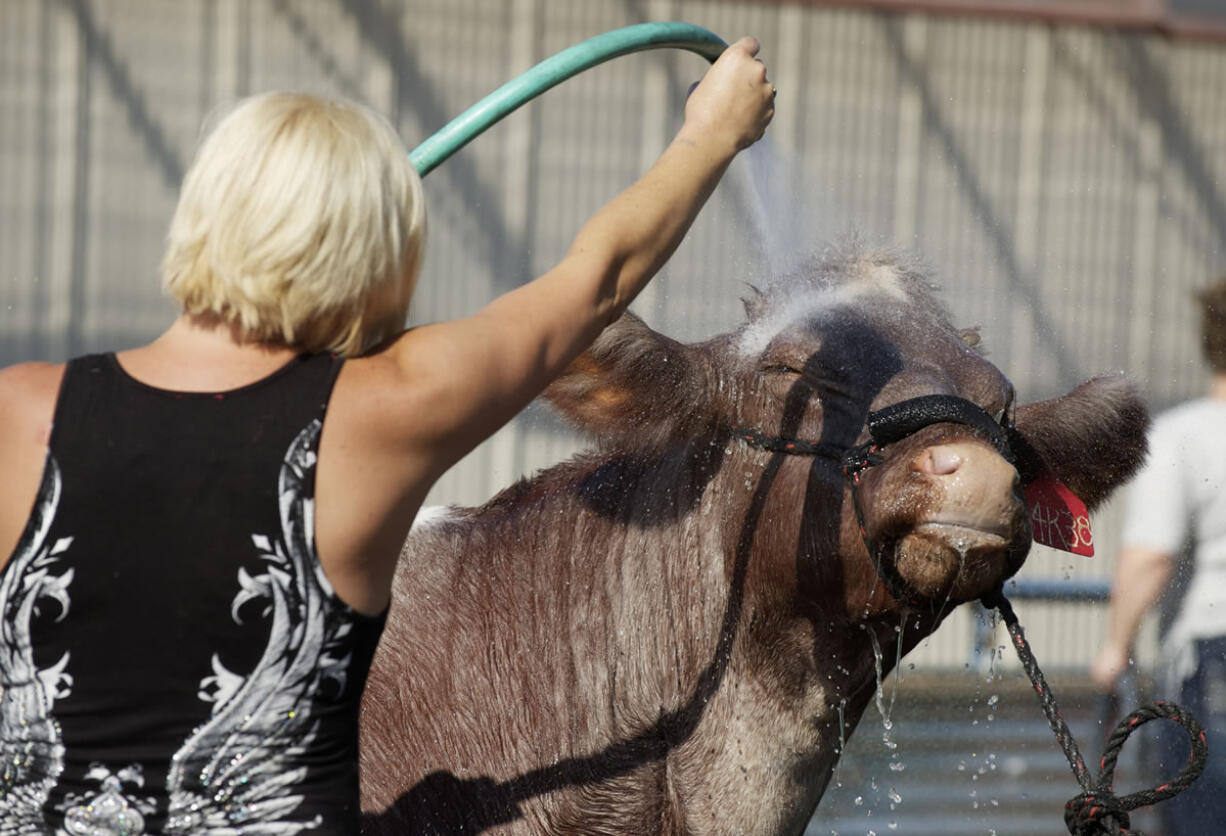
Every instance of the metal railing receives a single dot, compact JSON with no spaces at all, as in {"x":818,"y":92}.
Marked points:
{"x":1052,"y":590}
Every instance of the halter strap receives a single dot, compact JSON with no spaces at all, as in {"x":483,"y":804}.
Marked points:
{"x":891,"y":424}
{"x":896,"y":422}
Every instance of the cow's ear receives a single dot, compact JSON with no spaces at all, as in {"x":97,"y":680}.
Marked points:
{"x":1092,"y":439}
{"x":633,"y":386}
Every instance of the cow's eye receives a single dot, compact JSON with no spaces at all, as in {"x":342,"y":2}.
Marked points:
{"x":782,"y":368}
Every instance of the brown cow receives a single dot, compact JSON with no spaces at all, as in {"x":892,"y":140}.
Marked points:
{"x":673,"y":634}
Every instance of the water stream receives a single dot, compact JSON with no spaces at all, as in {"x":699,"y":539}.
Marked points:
{"x":885,"y":711}
{"x":778,"y":197}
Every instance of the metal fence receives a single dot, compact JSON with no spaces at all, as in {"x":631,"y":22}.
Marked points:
{"x":1064,"y":181}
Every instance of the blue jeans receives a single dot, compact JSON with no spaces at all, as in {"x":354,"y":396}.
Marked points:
{"x":1201,"y":809}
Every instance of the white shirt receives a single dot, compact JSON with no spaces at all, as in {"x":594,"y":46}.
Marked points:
{"x":1179,"y":498}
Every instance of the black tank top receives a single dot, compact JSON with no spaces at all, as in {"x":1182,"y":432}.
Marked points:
{"x":172,"y":657}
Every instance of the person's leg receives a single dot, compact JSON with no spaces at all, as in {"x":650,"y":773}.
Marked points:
{"x":1201,"y":809}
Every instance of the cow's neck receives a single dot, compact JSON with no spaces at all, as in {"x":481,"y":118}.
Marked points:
{"x":819,"y":631}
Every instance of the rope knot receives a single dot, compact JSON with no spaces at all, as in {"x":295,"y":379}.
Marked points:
{"x":858,"y":459}
{"x":1097,"y":811}
{"x":1096,"y":814}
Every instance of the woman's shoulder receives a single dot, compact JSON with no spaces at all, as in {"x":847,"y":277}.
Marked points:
{"x":27,"y":406}
{"x":405,"y":370}
{"x":379,"y":390}
{"x":28,"y":392}
{"x":401,"y":399}
{"x":25,"y":374}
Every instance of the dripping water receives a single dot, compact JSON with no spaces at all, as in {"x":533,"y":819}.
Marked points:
{"x":886,"y":712}
{"x":886,"y":723}
{"x":842,"y":726}
{"x":896,"y":764}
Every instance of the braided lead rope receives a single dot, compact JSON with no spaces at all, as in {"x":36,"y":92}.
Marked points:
{"x":1098,"y":811}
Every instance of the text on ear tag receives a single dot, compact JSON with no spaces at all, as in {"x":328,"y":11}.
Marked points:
{"x":1057,"y":517}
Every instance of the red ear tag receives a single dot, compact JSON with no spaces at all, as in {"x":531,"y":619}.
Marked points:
{"x":1057,"y":517}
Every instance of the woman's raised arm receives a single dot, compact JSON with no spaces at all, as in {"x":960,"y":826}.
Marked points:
{"x":481,"y":370}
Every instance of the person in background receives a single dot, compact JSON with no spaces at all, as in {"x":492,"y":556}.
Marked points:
{"x":199,"y":534}
{"x":1175,"y":538}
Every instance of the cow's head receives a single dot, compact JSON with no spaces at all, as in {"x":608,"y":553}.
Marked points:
{"x":941,"y":507}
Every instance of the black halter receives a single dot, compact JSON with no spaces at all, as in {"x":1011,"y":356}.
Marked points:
{"x":887,"y":426}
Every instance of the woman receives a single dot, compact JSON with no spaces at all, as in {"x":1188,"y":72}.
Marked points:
{"x":200,"y":556}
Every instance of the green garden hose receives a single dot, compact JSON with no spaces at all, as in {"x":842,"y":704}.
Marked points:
{"x":554,"y":70}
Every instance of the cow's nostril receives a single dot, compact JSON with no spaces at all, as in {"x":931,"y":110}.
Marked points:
{"x":940,"y":461}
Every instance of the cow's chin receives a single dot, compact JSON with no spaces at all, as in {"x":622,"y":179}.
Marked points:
{"x":953,"y":562}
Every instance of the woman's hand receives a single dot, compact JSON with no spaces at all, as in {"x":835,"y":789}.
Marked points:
{"x":734,"y":101}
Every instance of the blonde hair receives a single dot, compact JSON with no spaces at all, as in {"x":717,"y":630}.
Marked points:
{"x":300,"y":222}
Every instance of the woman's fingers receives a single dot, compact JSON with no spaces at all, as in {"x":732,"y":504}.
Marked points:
{"x":734,"y":96}
{"x":748,"y":43}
